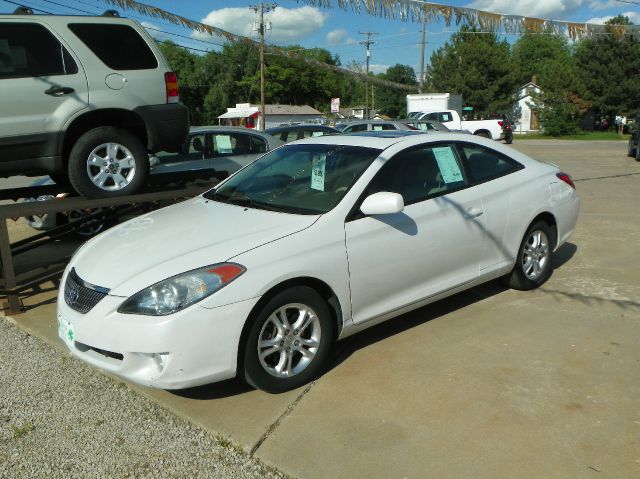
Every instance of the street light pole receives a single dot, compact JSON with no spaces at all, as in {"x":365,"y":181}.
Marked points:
{"x":367,"y":43}
{"x":261,"y":10}
{"x":422,"y":45}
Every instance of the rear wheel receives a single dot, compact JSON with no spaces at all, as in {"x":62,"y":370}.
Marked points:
{"x":289,"y":341}
{"x":533,"y":265}
{"x":107,"y":162}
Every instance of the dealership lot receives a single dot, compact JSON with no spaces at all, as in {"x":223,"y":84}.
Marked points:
{"x":488,"y":383}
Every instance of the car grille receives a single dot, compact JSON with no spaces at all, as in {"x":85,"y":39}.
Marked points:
{"x":80,"y":295}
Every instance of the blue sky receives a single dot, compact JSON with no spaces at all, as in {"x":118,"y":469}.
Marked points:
{"x":335,"y":29}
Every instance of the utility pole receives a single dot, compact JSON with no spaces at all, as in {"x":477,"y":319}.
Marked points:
{"x":367,"y":43}
{"x":261,"y":9}
{"x":422,"y":45}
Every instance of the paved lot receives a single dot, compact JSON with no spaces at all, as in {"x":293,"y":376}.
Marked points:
{"x":489,"y":383}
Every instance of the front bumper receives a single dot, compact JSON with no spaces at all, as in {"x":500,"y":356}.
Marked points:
{"x":193,"y":347}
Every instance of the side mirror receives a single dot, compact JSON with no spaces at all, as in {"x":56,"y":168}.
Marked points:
{"x":382,"y":203}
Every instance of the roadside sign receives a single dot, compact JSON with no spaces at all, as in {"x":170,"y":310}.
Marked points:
{"x":335,"y":105}
{"x":467,"y":108}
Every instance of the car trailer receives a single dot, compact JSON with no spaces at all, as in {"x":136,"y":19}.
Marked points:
{"x":111,"y":211}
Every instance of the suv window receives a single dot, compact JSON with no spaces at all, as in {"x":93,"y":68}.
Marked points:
{"x":30,"y":50}
{"x":120,"y":47}
{"x":485,"y":164}
{"x":421,"y":173}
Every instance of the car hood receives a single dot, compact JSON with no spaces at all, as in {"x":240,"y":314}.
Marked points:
{"x":179,"y":238}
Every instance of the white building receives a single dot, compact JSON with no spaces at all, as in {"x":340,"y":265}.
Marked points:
{"x":528,"y":121}
{"x":245,"y":114}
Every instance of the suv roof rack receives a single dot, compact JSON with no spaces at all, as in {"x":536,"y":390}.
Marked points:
{"x":22,"y":10}
{"x":111,"y":13}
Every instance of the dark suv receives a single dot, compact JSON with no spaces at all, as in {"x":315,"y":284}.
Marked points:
{"x":84,"y":100}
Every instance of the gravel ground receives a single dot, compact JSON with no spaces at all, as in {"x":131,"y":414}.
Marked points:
{"x":61,"y":419}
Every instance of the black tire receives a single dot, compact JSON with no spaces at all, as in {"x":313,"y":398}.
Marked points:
{"x":534,"y":262}
{"x":263,"y":373}
{"x":119,"y":179}
{"x":631,"y":151}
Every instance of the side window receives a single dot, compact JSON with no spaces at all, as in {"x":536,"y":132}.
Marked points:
{"x":30,"y":50}
{"x":388,"y":126}
{"x":354,"y":128}
{"x":421,"y":173}
{"x":196,"y":147}
{"x":291,"y":136}
{"x":444,"y":117}
{"x":120,"y":47}
{"x":432,"y":116}
{"x":485,"y":164}
{"x":257,"y":144}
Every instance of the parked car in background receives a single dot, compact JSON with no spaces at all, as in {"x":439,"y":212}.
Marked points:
{"x":313,"y":242}
{"x":84,"y":100}
{"x":451,"y":118}
{"x":634,"y":141}
{"x":210,"y":151}
{"x":373,"y":125}
{"x":298,"y":132}
{"x":223,"y":149}
{"x":426,"y":125}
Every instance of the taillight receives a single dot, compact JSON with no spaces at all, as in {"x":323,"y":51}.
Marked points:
{"x":501,"y":123}
{"x":171,"y":82}
{"x":567,"y":179}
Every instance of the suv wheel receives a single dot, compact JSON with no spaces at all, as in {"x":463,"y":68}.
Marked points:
{"x":107,"y":162}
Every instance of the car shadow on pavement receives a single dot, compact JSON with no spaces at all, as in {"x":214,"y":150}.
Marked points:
{"x":407,"y":321}
{"x":220,"y":390}
{"x":345,"y":348}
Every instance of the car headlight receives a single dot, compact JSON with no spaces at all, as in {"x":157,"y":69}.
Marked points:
{"x":181,"y":291}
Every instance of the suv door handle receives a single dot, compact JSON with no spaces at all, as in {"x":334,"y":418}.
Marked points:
{"x":473,"y":213}
{"x":59,"y":90}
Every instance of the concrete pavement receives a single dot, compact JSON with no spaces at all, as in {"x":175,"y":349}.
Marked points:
{"x":488,"y":383}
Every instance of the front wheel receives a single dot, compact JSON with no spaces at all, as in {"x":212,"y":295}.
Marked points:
{"x":533,"y":264}
{"x":107,"y":162}
{"x":289,"y":341}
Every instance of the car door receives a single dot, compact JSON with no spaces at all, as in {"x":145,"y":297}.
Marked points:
{"x":432,"y":246}
{"x":236,"y":149}
{"x":500,"y":180}
{"x":42,"y":87}
{"x":195,"y":156}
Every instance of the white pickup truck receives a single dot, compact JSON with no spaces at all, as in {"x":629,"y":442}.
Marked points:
{"x":487,"y":128}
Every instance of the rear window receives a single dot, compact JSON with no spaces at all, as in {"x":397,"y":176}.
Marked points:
{"x":120,"y":47}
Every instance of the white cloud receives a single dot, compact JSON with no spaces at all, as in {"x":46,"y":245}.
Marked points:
{"x":550,"y":9}
{"x":339,"y":37}
{"x":287,"y":24}
{"x":377,"y":68}
{"x":633,"y":17}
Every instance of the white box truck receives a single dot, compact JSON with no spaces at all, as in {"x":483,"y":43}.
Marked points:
{"x":421,"y":102}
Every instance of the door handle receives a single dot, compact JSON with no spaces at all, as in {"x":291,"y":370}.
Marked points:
{"x":59,"y":90}
{"x":473,"y":213}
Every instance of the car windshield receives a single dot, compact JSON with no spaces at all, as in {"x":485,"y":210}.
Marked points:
{"x":302,"y":179}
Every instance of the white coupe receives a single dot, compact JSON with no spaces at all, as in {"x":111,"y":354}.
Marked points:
{"x":311,"y":243}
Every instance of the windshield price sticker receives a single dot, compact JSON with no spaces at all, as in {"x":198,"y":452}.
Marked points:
{"x":223,"y":143}
{"x":449,"y":168}
{"x":318,"y":169}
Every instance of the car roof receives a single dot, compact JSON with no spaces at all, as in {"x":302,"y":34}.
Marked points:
{"x":304,"y":126}
{"x":387,"y":133}
{"x":226,"y":129}
{"x":382,"y":142}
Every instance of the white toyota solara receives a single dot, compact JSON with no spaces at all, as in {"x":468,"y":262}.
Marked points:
{"x":311,"y":243}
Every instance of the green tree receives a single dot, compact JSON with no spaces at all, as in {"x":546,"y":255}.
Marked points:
{"x":610,"y":67}
{"x":477,"y":65}
{"x":547,"y":60}
{"x":390,"y":101}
